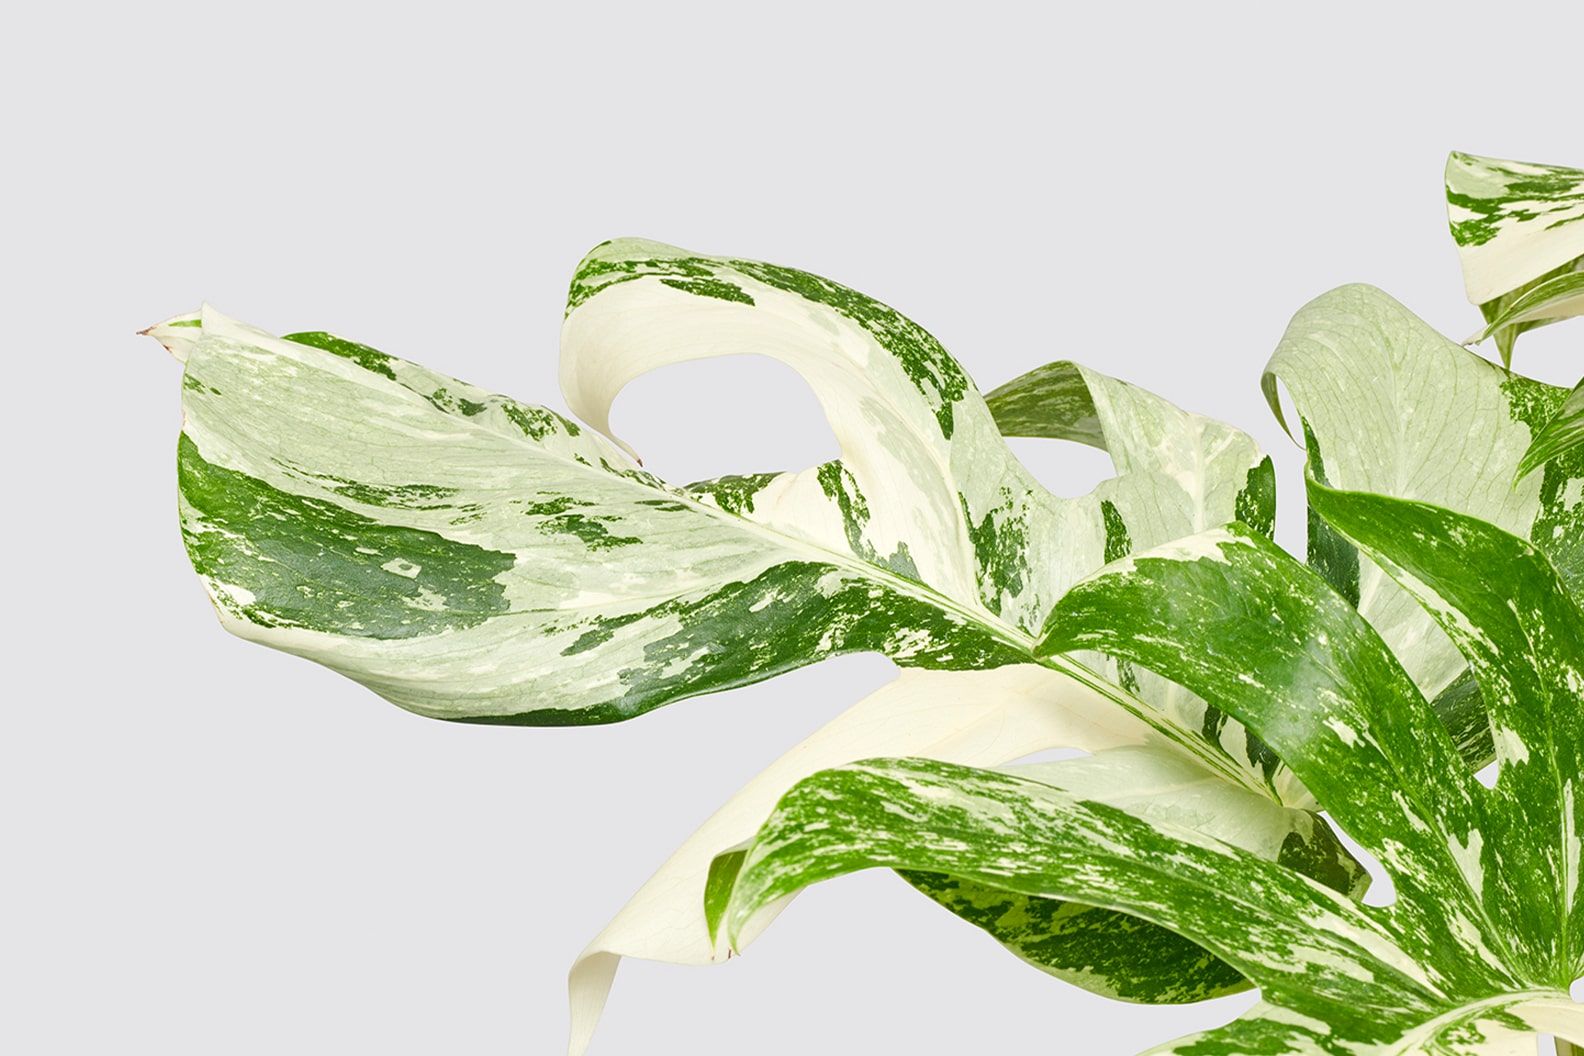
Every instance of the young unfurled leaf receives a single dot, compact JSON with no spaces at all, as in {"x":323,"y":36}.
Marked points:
{"x":1519,"y":227}
{"x":1486,"y":932}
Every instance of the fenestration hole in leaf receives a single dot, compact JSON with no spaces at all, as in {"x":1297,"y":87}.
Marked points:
{"x":1050,"y":755}
{"x":1064,"y":467}
{"x":734,"y":414}
{"x":1382,"y":892}
{"x":1578,"y":990}
{"x":1487,"y":775}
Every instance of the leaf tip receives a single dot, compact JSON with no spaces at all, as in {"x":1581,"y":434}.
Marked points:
{"x":176,"y":334}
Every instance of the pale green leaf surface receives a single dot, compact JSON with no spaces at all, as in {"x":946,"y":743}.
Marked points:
{"x":1484,"y":935}
{"x":1389,"y":406}
{"x":1512,"y":221}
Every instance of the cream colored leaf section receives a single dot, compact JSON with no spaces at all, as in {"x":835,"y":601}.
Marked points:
{"x":1513,"y":221}
{"x":977,"y":718}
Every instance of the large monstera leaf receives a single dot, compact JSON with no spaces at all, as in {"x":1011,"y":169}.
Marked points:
{"x":1519,"y":229}
{"x":1485,"y":934}
{"x":1387,"y":405}
{"x":471,"y":557}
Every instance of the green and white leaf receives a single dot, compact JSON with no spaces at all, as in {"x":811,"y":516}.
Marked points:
{"x":1516,"y":225}
{"x":1558,"y":295}
{"x":929,"y":473}
{"x":471,"y":557}
{"x":1387,"y":405}
{"x":1486,"y":932}
{"x":1117,"y":954}
{"x":1560,"y":436}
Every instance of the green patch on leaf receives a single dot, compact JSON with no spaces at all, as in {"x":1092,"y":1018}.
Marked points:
{"x":1256,"y":503}
{"x":1559,"y":527}
{"x":1100,"y":950}
{"x":371,"y":359}
{"x":717,"y":288}
{"x":1117,"y":543}
{"x":1000,"y":543}
{"x":733,"y":493}
{"x":453,"y":404}
{"x":284,"y":560}
{"x":927,"y":364}
{"x":718,"y":887}
{"x":538,"y":422}
{"x":559,"y":516}
{"x":192,"y":384}
{"x":1329,"y":554}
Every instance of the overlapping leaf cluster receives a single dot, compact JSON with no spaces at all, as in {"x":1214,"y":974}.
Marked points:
{"x":478,"y":559}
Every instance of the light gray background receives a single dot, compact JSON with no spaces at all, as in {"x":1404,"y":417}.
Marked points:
{"x":210,"y":847}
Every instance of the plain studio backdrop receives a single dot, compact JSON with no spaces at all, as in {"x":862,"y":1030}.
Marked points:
{"x":213,"y":848}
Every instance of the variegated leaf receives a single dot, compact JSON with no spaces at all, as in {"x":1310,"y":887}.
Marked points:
{"x":1562,"y":435}
{"x":1486,"y":931}
{"x":470,"y":557}
{"x":1117,"y":954}
{"x":474,"y":558}
{"x":1387,"y":405}
{"x":1558,"y":295}
{"x":984,"y":719}
{"x":926,"y":482}
{"x":1516,"y":225}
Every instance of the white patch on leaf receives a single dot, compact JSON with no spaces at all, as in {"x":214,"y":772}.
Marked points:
{"x":1343,"y":731}
{"x":402,"y":567}
{"x":1510,"y":747}
{"x":1467,"y":857}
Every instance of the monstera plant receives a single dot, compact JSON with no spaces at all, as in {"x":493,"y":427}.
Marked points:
{"x":473,"y":558}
